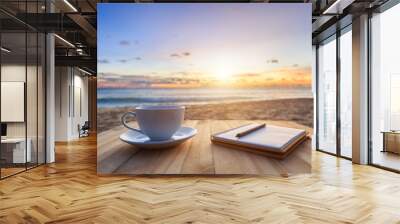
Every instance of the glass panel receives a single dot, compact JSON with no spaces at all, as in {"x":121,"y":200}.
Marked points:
{"x":41,"y":98}
{"x":327,"y":97}
{"x":31,"y":98}
{"x":385,"y":114}
{"x":32,"y":88}
{"x":13,"y":86}
{"x":23,"y":90}
{"x":346,"y":94}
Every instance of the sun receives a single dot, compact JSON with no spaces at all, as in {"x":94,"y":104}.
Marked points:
{"x":224,"y":72}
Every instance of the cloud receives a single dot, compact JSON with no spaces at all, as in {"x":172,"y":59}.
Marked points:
{"x":136,"y":42}
{"x":182,"y":73}
{"x":273,"y":61}
{"x":126,"y":60}
{"x":103,"y":61}
{"x":247,"y":75}
{"x":124,"y":43}
{"x":295,"y":65}
{"x":179,"y":55}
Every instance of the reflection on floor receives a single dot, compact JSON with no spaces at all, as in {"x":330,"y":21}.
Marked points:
{"x":11,"y":169}
{"x":386,"y":159}
{"x":70,"y":191}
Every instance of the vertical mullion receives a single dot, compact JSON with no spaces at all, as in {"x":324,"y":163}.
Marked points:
{"x":369,"y":88}
{"x":45,"y":87}
{"x":26,"y":86}
{"x":69,"y":92}
{"x":60,"y":86}
{"x":37,"y":90}
{"x":0,"y":95}
{"x":338,"y":81}
{"x":73,"y":92}
{"x":317,"y":96}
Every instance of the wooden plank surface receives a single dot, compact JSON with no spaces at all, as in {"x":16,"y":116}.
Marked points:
{"x":198,"y":155}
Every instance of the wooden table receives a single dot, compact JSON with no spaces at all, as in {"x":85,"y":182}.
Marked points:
{"x":198,"y":155}
{"x":391,"y":141}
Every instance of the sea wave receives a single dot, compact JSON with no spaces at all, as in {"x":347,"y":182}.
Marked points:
{"x":135,"y":97}
{"x":168,"y":99}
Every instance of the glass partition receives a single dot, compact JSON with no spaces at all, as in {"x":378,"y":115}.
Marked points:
{"x":31,"y":97}
{"x":13,"y":114}
{"x":41,"y":97}
{"x":22,"y":88}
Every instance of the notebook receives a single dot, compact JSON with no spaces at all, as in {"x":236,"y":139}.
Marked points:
{"x":274,"y":141}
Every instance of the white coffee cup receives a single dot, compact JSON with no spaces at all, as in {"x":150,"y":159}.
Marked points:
{"x":157,"y":122}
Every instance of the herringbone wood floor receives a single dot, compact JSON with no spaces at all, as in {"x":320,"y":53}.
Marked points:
{"x":69,"y":191}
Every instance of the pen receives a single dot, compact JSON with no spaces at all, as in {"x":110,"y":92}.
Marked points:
{"x":241,"y":134}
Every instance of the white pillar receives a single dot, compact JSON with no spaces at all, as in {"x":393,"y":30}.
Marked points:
{"x":360,"y":89}
{"x":314,"y":91}
{"x":50,"y":99}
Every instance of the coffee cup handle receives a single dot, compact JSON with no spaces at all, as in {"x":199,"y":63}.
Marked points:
{"x":123,"y":121}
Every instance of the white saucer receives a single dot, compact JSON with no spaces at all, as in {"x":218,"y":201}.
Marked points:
{"x":142,"y":141}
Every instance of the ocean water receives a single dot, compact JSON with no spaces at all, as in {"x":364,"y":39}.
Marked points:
{"x":136,"y":97}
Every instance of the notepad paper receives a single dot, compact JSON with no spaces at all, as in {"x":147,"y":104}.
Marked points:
{"x":271,"y":138}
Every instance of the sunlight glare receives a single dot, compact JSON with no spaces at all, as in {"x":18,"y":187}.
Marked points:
{"x":224,"y":72}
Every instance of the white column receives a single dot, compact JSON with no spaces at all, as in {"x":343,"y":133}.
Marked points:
{"x":314,"y":91}
{"x":360,"y":90}
{"x":50,"y":98}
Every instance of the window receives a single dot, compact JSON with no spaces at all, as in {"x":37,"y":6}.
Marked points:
{"x":327,"y":96}
{"x":385,"y":89}
{"x":334,"y":94}
{"x":346,"y":93}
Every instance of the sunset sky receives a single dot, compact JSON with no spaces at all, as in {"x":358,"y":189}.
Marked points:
{"x":204,"y":45}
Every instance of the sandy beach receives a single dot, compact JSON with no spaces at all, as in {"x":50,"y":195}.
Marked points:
{"x":297,"y":110}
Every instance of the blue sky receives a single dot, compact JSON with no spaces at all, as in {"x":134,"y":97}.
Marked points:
{"x":191,"y":40}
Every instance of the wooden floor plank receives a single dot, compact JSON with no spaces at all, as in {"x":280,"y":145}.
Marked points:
{"x":70,"y":191}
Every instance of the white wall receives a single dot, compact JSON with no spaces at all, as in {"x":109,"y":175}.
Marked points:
{"x":70,"y":83}
{"x":81,"y":84}
{"x":12,"y":73}
{"x":62,"y":82}
{"x":33,"y":126}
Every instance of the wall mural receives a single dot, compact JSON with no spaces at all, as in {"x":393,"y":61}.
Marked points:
{"x":204,"y":89}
